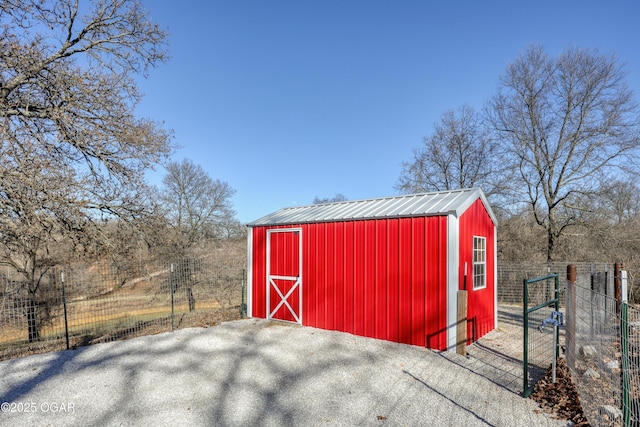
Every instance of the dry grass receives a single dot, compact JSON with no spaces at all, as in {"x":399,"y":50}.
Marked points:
{"x":184,"y":320}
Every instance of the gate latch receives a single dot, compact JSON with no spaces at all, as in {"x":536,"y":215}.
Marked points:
{"x":556,"y":319}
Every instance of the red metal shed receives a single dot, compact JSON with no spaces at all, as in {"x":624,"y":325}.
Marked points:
{"x":386,"y":268}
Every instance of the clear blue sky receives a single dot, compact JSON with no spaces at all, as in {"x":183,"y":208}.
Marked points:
{"x":289,"y":100}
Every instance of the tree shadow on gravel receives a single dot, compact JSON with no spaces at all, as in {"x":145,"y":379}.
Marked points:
{"x":242,"y":373}
{"x":107,"y":372}
{"x":262,"y":382}
{"x":41,"y":372}
{"x":236,"y":375}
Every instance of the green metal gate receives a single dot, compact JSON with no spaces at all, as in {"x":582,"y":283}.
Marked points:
{"x":541,"y":348}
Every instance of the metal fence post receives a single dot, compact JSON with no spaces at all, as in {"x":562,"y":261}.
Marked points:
{"x":243,"y":304}
{"x":616,"y":285}
{"x":557,"y":310}
{"x":64,"y":307}
{"x":592,"y":331}
{"x":571,"y":315}
{"x":626,"y":398}
{"x":171,"y":287}
{"x":525,"y":353}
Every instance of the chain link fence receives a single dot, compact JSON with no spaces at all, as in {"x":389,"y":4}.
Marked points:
{"x":72,"y":307}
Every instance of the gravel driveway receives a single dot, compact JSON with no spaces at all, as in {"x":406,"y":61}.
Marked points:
{"x":252,"y":373}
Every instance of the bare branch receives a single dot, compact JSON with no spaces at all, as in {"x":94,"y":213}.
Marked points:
{"x":194,"y":203}
{"x":566,"y":123}
{"x":459,"y":154}
{"x":73,"y":151}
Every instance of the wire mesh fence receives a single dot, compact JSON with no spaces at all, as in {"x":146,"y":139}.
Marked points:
{"x":601,"y":336}
{"x":603,"y":349}
{"x":630,"y":340}
{"x":75,"y":306}
{"x":511,"y":275}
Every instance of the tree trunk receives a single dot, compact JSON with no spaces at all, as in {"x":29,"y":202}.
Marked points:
{"x":551,"y":241}
{"x":192,"y":300}
{"x":552,"y":235}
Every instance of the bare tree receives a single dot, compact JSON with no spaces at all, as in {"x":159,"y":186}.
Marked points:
{"x":73,"y":153}
{"x":520,"y":238}
{"x":458,"y":154}
{"x":231,"y":229}
{"x":618,"y":201}
{"x":195,"y":204}
{"x":566,"y":125}
{"x":339,"y":197}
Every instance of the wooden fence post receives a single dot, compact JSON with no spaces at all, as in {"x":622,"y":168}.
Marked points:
{"x":616,"y":285}
{"x":461,"y":332}
{"x":571,"y":315}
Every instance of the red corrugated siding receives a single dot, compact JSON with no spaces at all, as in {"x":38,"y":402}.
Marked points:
{"x":418,"y":279}
{"x":393,"y":271}
{"x":437,"y":300}
{"x":382,"y":280}
{"x":405,"y":262}
{"x":378,"y":278}
{"x":371,"y":280}
{"x":358,"y":266}
{"x":481,"y":303}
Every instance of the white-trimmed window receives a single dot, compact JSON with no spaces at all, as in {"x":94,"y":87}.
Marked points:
{"x":479,"y":262}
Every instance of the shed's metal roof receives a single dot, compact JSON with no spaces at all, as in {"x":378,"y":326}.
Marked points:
{"x":453,"y":202}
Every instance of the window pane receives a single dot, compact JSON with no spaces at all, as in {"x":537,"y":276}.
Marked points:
{"x":479,"y":262}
